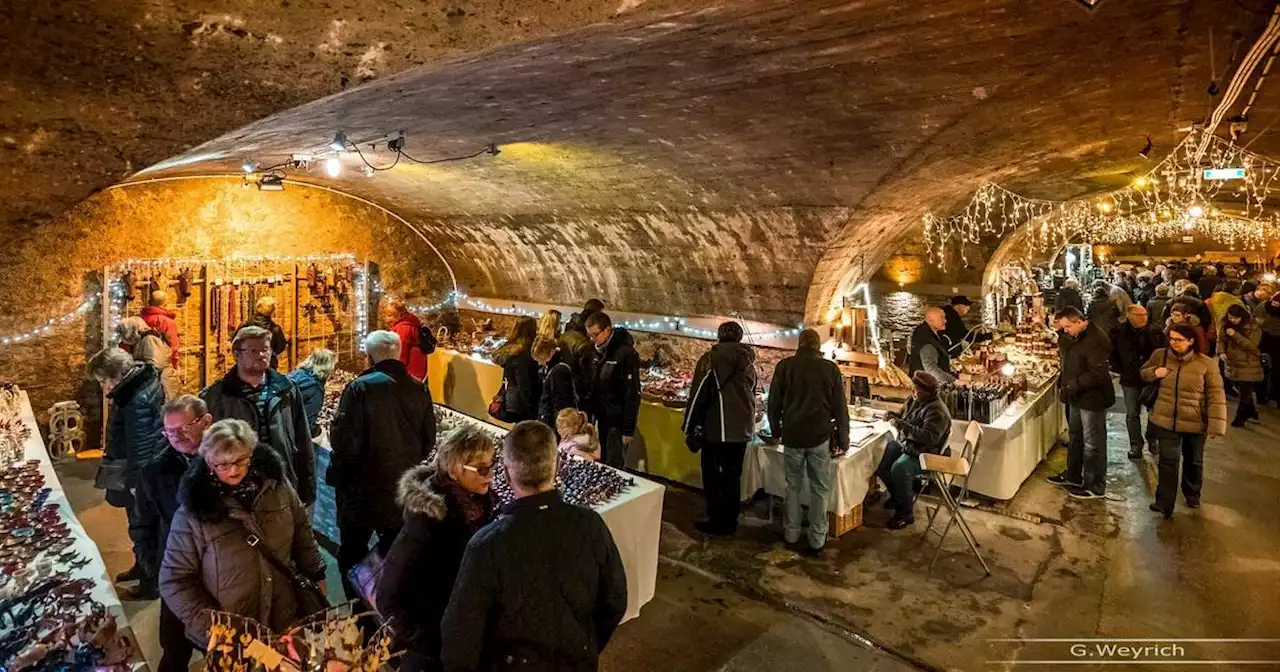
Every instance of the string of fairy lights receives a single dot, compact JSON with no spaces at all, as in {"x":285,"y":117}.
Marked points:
{"x":1175,"y":198}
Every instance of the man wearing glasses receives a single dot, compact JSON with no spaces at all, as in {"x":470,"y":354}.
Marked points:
{"x":614,"y":401}
{"x":185,"y":420}
{"x":385,"y":425}
{"x":271,"y":404}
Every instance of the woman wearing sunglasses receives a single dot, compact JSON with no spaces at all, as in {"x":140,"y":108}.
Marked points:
{"x":1191,"y":406}
{"x":445,"y":502}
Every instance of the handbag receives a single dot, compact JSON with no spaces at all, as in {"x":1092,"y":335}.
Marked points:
{"x":311,"y":599}
{"x":499,"y":402}
{"x":111,"y":474}
{"x":364,"y":577}
{"x":1151,"y":391}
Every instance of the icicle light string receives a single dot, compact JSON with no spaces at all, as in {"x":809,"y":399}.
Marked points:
{"x":49,"y":324}
{"x":1172,"y":199}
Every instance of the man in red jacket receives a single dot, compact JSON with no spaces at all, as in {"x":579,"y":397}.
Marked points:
{"x":161,"y":320}
{"x":406,"y":325}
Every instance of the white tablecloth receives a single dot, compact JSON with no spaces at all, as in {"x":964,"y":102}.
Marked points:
{"x":763,"y":468}
{"x":103,"y":590}
{"x":635,"y":521}
{"x":1014,"y":444}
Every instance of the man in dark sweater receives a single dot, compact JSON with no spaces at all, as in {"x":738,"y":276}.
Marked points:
{"x":809,"y":414}
{"x":1132,"y":343}
{"x":957,"y":335}
{"x":185,"y":420}
{"x":1087,"y":390}
{"x":542,"y":586}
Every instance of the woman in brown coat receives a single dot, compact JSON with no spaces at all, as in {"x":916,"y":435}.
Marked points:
{"x":1239,"y":341}
{"x":1191,"y":406}
{"x":236,"y":508}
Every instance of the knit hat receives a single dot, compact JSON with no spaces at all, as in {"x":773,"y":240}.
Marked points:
{"x":925,"y":382}
{"x":961,"y":300}
{"x":1162,"y":290}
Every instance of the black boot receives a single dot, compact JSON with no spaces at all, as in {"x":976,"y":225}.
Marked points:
{"x":132,"y":574}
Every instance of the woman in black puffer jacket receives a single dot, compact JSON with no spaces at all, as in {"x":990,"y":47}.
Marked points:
{"x":134,"y":425}
{"x":445,"y":502}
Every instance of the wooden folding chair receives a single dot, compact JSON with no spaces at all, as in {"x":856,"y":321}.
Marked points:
{"x":943,"y":472}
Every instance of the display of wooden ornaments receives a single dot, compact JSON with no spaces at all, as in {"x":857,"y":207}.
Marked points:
{"x":66,"y":429}
{"x":13,"y":431}
{"x":330,"y":640}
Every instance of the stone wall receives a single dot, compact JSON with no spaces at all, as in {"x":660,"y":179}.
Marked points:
{"x":43,"y":275}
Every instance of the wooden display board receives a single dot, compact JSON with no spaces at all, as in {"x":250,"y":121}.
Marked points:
{"x":320,"y":302}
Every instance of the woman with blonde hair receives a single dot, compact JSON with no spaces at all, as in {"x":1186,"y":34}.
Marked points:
{"x":549,"y":325}
{"x":577,"y":436}
{"x":147,"y":345}
{"x":241,"y":541}
{"x":445,"y":501}
{"x":310,"y":377}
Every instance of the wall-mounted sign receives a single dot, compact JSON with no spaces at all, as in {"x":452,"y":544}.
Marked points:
{"x":1188,"y":239}
{"x":1224,"y":173}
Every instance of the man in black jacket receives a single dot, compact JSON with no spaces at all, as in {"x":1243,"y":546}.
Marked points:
{"x":185,"y":420}
{"x":809,"y":414}
{"x":1087,"y":389}
{"x":923,"y":428}
{"x":271,"y":404}
{"x":577,"y":349}
{"x":615,"y":387}
{"x":541,"y":587}
{"x":385,"y":424}
{"x":1132,"y":343}
{"x":957,"y":334}
{"x":929,"y":352}
{"x":719,"y":421}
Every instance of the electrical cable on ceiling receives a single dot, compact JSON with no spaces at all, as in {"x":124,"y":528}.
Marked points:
{"x":373,"y":167}
{"x":1265,"y":43}
{"x":488,"y":149}
{"x":1257,"y":86}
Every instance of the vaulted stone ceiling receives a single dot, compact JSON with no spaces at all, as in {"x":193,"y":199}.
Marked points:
{"x":685,"y":156}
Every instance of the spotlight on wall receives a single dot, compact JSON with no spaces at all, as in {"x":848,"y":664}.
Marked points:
{"x":271,"y":182}
{"x":1146,"y":149}
{"x":248,"y":166}
{"x":339,"y":141}
{"x":395,"y":141}
{"x":332,"y":166}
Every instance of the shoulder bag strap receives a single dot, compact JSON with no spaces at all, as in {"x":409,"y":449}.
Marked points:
{"x":255,"y":542}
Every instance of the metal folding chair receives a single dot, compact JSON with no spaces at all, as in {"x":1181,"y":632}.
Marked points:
{"x":943,"y":472}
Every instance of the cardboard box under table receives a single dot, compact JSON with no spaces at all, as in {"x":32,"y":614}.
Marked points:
{"x":764,"y":468}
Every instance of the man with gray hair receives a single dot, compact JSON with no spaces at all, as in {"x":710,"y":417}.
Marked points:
{"x":385,"y":425}
{"x":542,"y":586}
{"x":271,"y":404}
{"x":185,"y":420}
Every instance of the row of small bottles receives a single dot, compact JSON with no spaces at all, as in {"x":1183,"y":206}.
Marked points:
{"x":983,"y":402}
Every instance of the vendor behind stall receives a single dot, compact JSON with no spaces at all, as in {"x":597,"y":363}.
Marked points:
{"x":957,"y":334}
{"x":928,"y":351}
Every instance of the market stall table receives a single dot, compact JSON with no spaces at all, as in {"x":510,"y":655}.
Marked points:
{"x":1015,"y":443}
{"x":467,"y":383}
{"x":95,"y":570}
{"x":764,"y":468}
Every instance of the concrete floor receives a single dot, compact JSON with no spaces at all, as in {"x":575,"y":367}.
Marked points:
{"x":695,"y":623}
{"x":1061,"y":568}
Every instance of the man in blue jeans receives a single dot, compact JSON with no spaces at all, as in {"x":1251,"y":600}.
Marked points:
{"x":809,"y":414}
{"x":924,"y":428}
{"x":1088,"y":391}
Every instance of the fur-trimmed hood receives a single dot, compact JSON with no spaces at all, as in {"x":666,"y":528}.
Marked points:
{"x":203,"y":499}
{"x":420,"y":491}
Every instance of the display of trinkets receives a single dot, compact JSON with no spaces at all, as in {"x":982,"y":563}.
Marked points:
{"x":580,"y":482}
{"x":13,"y":431}
{"x":331,"y":639}
{"x":333,"y":387}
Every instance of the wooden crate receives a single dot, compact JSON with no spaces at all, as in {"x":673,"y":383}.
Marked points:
{"x":838,"y":526}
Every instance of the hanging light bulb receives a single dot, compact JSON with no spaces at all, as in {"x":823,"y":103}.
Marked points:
{"x":1140,"y":182}
{"x":248,"y":166}
{"x":1196,"y":211}
{"x":339,"y":142}
{"x":333,"y":166}
{"x":1105,"y":206}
